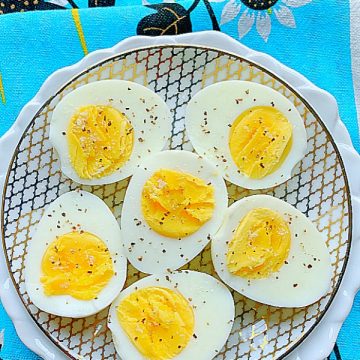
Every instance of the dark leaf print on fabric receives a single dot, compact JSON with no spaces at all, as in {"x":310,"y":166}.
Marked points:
{"x":100,"y":3}
{"x":169,"y":19}
{"x":172,"y":19}
{"x":212,"y":15}
{"x":12,"y":6}
{"x":42,"y":5}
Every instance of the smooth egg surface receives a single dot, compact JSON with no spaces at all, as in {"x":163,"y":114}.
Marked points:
{"x":174,"y":204}
{"x":270,"y":252}
{"x":172,"y":316}
{"x":103,"y":130}
{"x":75,"y":265}
{"x":253,"y":134}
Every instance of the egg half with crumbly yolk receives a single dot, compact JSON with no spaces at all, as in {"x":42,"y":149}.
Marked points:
{"x":75,"y":265}
{"x":270,"y":252}
{"x":253,"y":134}
{"x":103,"y":130}
{"x":173,"y":205}
{"x":172,"y":316}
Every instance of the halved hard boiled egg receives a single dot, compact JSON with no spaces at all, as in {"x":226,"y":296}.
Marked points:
{"x":75,"y":265}
{"x":103,"y":130}
{"x":270,"y":252}
{"x":254,"y":135}
{"x":172,"y":316}
{"x":174,"y":204}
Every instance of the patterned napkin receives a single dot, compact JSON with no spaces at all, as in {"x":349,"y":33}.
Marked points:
{"x":320,"y":39}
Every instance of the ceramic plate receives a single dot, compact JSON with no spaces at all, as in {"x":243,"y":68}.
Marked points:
{"x":177,"y":68}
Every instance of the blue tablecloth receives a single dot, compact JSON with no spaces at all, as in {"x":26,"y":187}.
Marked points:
{"x":311,"y":36}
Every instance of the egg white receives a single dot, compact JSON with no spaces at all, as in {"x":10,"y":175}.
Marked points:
{"x":212,"y":327}
{"x":220,"y":104}
{"x":157,"y":253}
{"x":92,"y":214}
{"x":147,"y":112}
{"x":296,"y":284}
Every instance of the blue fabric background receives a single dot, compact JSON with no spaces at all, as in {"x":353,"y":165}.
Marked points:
{"x":35,"y":44}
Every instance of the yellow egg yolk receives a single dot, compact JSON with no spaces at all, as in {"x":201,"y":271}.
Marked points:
{"x":100,"y":141}
{"x":260,"y":139}
{"x":158,"y":321}
{"x":77,"y":264}
{"x":176,"y":204}
{"x":260,"y":244}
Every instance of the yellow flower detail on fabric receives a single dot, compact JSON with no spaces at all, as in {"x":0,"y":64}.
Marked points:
{"x":2,"y":91}
{"x":76,"y":16}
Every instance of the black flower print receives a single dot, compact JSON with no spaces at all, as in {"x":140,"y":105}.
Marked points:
{"x":259,"y":4}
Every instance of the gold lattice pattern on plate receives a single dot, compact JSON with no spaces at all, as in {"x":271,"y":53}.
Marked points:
{"x":318,"y":188}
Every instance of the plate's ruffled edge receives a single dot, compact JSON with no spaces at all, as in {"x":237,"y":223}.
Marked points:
{"x":320,"y":343}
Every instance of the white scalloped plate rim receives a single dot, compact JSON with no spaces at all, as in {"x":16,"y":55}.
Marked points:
{"x":320,"y":342}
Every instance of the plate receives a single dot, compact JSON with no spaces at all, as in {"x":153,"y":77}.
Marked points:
{"x":323,"y":187}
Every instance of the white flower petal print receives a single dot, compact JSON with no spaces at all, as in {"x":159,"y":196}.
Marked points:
{"x":296,"y":3}
{"x":262,"y":14}
{"x":263,"y":26}
{"x":285,"y":17}
{"x":245,"y":23}
{"x":229,"y":12}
